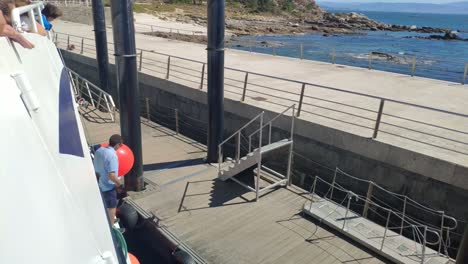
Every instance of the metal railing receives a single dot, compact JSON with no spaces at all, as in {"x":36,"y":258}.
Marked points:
{"x":88,"y":94}
{"x":147,"y":28}
{"x":70,"y":2}
{"x":33,"y":12}
{"x":419,"y":231}
{"x":367,"y":115}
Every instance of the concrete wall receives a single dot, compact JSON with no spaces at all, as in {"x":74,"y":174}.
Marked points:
{"x":432,"y":182}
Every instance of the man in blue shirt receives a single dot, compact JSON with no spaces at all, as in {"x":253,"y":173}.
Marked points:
{"x":49,"y":14}
{"x":106,"y":165}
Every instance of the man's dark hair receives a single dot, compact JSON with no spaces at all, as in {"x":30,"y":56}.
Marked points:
{"x":114,"y":140}
{"x":52,"y":11}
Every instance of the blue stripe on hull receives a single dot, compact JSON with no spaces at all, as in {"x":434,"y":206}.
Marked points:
{"x":69,"y":135}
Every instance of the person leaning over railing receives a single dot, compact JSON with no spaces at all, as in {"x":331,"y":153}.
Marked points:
{"x":49,"y":14}
{"x":6,"y":30}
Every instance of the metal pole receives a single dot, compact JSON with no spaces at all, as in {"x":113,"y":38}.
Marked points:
{"x":379,"y":117}
{"x":202,"y":76}
{"x":68,"y":42}
{"x":403,"y":216}
{"x":176,"y":112}
{"x":269,"y":132}
{"x":386,"y":228}
{"x":368,"y":199}
{"x":370,"y":61}
{"x":215,"y":48}
{"x":423,"y":252}
{"x":333,"y":56}
{"x":333,"y":184}
{"x":301,"y":99}
{"x":274,"y":51}
{"x":245,"y":86}
{"x":168,"y":67}
{"x":291,"y":147}
{"x":302,"y":51}
{"x":152,"y":29}
{"x":465,"y":73}
{"x":413,"y":66}
{"x":129,"y":92}
{"x":347,"y":210}
{"x":259,"y":167}
{"x":441,"y":232}
{"x":148,"y":115}
{"x":102,"y":55}
{"x":141,"y":60}
{"x":82,"y":44}
{"x":238,"y":147}
{"x":312,"y":193}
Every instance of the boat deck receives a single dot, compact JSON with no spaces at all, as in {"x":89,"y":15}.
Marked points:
{"x":220,"y":220}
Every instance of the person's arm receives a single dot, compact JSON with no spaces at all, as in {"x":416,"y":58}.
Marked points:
{"x":41,"y":30}
{"x":7,"y":31}
{"x":112,"y":166}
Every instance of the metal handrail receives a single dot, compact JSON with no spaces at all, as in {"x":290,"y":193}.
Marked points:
{"x":272,"y":120}
{"x":242,"y":128}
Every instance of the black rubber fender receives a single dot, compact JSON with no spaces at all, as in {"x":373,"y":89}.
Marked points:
{"x":182,"y":257}
{"x":128,"y":216}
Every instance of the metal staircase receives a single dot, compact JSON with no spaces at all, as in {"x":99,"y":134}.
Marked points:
{"x":231,"y":167}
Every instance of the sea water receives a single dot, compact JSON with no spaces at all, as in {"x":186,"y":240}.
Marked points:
{"x":438,"y":59}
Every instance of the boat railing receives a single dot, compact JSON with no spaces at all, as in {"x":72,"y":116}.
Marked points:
{"x":33,"y":12}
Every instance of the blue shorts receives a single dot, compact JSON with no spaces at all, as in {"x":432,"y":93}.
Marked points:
{"x":110,"y":198}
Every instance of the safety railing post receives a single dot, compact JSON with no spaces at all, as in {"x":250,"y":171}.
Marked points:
{"x":368,"y":199}
{"x":220,"y":158}
{"x":250,"y":48}
{"x":250,"y":143}
{"x":269,"y":132}
{"x":302,"y":51}
{"x":413,"y":66}
{"x":152,"y":29}
{"x":238,"y":147}
{"x":168,"y":66}
{"x":403,"y":213}
{"x":82,"y":44}
{"x":386,"y":228}
{"x":333,"y":56}
{"x":301,"y":99}
{"x":370,"y":61}
{"x":148,"y":116}
{"x":141,"y":60}
{"x":176,"y":113}
{"x":274,"y":51}
{"x":202,"y":76}
{"x":423,"y":251}
{"x":333,"y":184}
{"x":259,"y":168}
{"x":246,"y":79}
{"x":349,"y":196}
{"x":379,"y":117}
{"x":291,"y":147}
{"x":312,"y":193}
{"x":465,"y":74}
{"x":90,"y":95}
{"x":68,"y":42}
{"x":441,"y":232}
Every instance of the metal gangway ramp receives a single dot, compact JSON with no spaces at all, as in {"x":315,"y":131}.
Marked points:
{"x":400,"y":237}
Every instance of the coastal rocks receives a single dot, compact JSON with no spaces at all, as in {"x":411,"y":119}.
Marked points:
{"x":447,"y":36}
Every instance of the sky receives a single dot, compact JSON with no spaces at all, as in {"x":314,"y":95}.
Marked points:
{"x":394,"y":1}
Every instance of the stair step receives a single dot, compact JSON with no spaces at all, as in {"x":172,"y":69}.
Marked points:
{"x":275,"y":145}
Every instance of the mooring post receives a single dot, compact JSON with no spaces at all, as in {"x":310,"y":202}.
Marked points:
{"x":368,"y":199}
{"x":379,"y":117}
{"x":245,"y":86}
{"x":102,"y":56}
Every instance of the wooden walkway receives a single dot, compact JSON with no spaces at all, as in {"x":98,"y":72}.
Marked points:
{"x":220,"y":220}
